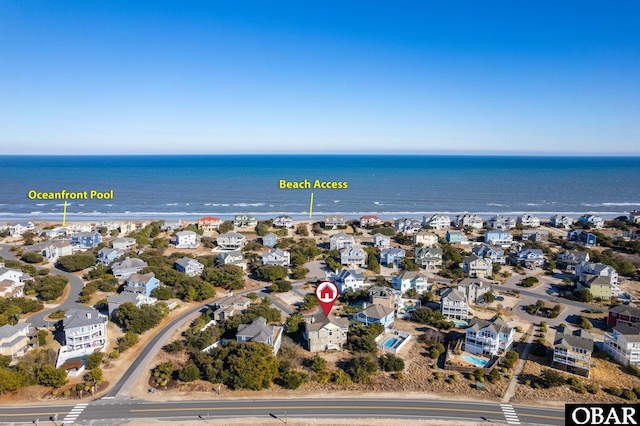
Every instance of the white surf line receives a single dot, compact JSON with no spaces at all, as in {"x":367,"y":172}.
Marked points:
{"x":510,"y":414}
{"x":74,"y":413}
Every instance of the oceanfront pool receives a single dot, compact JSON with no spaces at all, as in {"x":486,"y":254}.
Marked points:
{"x":460,"y":324}
{"x":478,"y":362}
{"x":390,"y":342}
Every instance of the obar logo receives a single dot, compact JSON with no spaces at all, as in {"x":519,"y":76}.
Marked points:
{"x":601,"y":414}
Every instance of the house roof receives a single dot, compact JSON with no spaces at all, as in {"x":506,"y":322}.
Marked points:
{"x":454,"y":294}
{"x":8,"y":331}
{"x":630,"y":310}
{"x":123,"y":297}
{"x":130,"y":262}
{"x":257,"y":331}
{"x":631,"y":333}
{"x":480,"y":282}
{"x":381,"y":292}
{"x":140,"y":278}
{"x":377,"y":311}
{"x":209,"y":219}
{"x":186,"y":261}
{"x":320,"y":321}
{"x":81,"y":317}
{"x":574,"y":340}
{"x":346,"y":273}
{"x":185,"y":233}
{"x":392,"y":251}
{"x":231,"y":234}
{"x":496,"y":325}
{"x":232,"y":300}
{"x":410,"y":275}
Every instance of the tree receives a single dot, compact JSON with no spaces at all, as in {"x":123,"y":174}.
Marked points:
{"x":391,"y":362}
{"x":139,"y":320}
{"x":250,"y":365}
{"x":302,"y":230}
{"x":77,"y":262}
{"x":309,"y":301}
{"x":551,"y":378}
{"x":48,"y":287}
{"x":52,"y":376}
{"x":294,"y":379}
{"x":510,"y":359}
{"x":431,"y":317}
{"x":585,"y":295}
{"x":95,"y":375}
{"x":585,"y":324}
{"x":292,"y":324}
{"x":409,"y":265}
{"x":94,"y":360}
{"x":282,"y":286}
{"x":299,"y":273}
{"x":226,"y":226}
{"x":270,"y":272}
{"x":163,"y":292}
{"x":529,"y":281}
{"x":9,"y":381}
{"x":489,"y":297}
{"x":361,"y":368}
{"x":230,"y":277}
{"x":125,"y":342}
{"x":32,"y":257}
{"x":189,"y":373}
{"x":317,"y":364}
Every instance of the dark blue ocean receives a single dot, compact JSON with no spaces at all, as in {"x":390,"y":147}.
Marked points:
{"x":187,"y":187}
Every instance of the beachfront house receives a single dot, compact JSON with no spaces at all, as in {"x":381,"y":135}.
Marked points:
{"x":488,"y":337}
{"x":473,"y":288}
{"x":372,"y":314}
{"x":572,"y":352}
{"x":384,"y":296}
{"x":189,"y":266}
{"x":366,"y":221}
{"x":244,"y":221}
{"x":325,"y":332}
{"x":16,"y":340}
{"x":560,"y":221}
{"x":623,"y":344}
{"x":334,"y":221}
{"x":425,"y":238}
{"x":171,"y":225}
{"x":407,"y":280}
{"x":408,"y":225}
{"x":187,"y":239}
{"x":535,"y":235}
{"x":623,"y":314}
{"x":17,"y":229}
{"x":468,"y":220}
{"x":85,"y":240}
{"x":593,"y":220}
{"x":270,"y":240}
{"x":231,"y":240}
{"x":341,"y":240}
{"x":353,"y":256}
{"x":455,"y":236}
{"x":429,"y":257}
{"x":141,"y":283}
{"x":437,"y":221}
{"x":487,"y":251}
{"x":232,"y":258}
{"x":391,"y":257}
{"x":56,"y":250}
{"x":529,"y":220}
{"x":581,"y":236}
{"x":106,"y":256}
{"x":381,"y":241}
{"x":453,"y":304}
{"x":123,"y":244}
{"x":124,"y":269}
{"x":128,"y":227}
{"x":227,"y":307}
{"x":283,"y":222}
{"x":347,"y":279}
{"x":276,"y":257}
{"x":501,"y":222}
{"x":259,"y":331}
{"x":208,"y":223}
{"x":529,"y":258}
{"x":497,"y":237}
{"x":475,"y":266}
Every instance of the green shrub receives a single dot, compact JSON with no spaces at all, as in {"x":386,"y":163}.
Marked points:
{"x":615,"y":391}
{"x":629,"y":395}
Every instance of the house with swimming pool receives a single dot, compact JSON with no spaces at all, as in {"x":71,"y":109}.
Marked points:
{"x":488,"y":337}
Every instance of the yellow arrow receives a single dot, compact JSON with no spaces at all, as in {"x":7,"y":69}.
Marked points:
{"x":311,"y":206}
{"x":64,"y":214}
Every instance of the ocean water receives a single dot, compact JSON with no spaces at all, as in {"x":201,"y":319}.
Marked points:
{"x":187,"y":187}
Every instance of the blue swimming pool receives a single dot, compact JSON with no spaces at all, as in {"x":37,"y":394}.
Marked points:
{"x":460,"y":324}
{"x":478,"y":362}
{"x":390,"y":342}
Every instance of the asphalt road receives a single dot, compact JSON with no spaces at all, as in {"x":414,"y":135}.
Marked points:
{"x":112,"y":411}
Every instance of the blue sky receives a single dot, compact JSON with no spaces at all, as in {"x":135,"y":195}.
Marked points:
{"x":189,"y":77}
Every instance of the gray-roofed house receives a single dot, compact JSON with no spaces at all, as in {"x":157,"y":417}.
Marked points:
{"x":529,"y":220}
{"x":353,"y":256}
{"x":473,"y":288}
{"x":586,"y":270}
{"x":270,"y":240}
{"x":502,"y":222}
{"x":232,"y":258}
{"x":141,"y":283}
{"x":407,"y":280}
{"x":535,"y":235}
{"x":487,"y":251}
{"x":492,"y":337}
{"x":572,"y":351}
{"x":228,"y":306}
{"x":259,"y":331}
{"x":124,"y":269}
{"x":392,"y":256}
{"x":187,"y":239}
{"x":138,"y":299}
{"x":568,"y":259}
{"x":19,"y":228}
{"x":323,"y":333}
{"x":468,"y":220}
{"x":385,"y":296}
{"x":623,"y":344}
{"x":16,"y":340}
{"x":341,"y":240}
{"x":374,"y":314}
{"x":334,"y":220}
{"x":453,"y":304}
{"x":283,"y":221}
{"x":408,"y":225}
{"x":14,"y":275}
{"x":189,"y":266}
{"x":10,"y":288}
{"x":475,"y":266}
{"x":106,"y":256}
{"x":529,"y":258}
{"x":347,"y":279}
{"x":429,"y":257}
{"x":123,"y":244}
{"x":425,"y":238}
{"x":437,"y":221}
{"x":623,"y":314}
{"x":86,"y":240}
{"x":86,"y":329}
{"x":56,"y":250}
{"x":381,"y":241}
{"x":560,"y":221}
{"x":276,"y":257}
{"x":231,"y":240}
{"x":245,"y":221}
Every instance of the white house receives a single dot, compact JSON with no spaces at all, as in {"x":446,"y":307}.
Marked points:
{"x":529,"y":258}
{"x":373,"y":314}
{"x":189,"y":266}
{"x":588,"y":270}
{"x":244,"y":221}
{"x":276,"y":257}
{"x":408,"y":225}
{"x":138,"y":299}
{"x":370,"y":221}
{"x":392,"y":256}
{"x":232,"y":258}
{"x":493,"y":337}
{"x":283,"y":221}
{"x":353,"y":256}
{"x":17,"y":229}
{"x":231,"y":240}
{"x":475,"y":266}
{"x":14,"y":275}
{"x":56,"y":250}
{"x":560,"y":221}
{"x":347,"y":279}
{"x":407,"y":280}
{"x":341,"y":240}
{"x":453,"y":304}
{"x":498,"y":237}
{"x":502,"y":222}
{"x":487,"y":251}
{"x":468,"y":220}
{"x":437,"y":221}
{"x":187,"y":239}
{"x":85,"y":332}
{"x":529,"y":220}
{"x":129,"y":266}
{"x":426,"y":238}
{"x":381,"y":241}
{"x":623,"y":344}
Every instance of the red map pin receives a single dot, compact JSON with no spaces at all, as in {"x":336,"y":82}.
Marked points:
{"x":327,"y":293}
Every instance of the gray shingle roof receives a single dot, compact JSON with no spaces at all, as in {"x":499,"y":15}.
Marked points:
{"x":82,"y":317}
